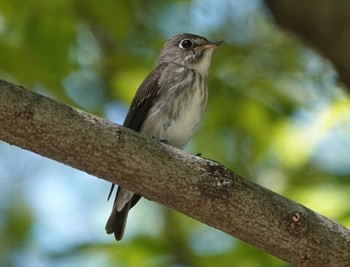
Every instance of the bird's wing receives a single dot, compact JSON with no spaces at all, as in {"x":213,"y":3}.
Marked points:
{"x":139,"y":108}
{"x":145,"y":96}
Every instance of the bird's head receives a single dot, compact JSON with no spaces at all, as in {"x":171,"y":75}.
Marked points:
{"x":189,"y":50}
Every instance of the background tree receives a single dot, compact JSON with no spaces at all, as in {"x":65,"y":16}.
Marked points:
{"x":275,"y":111}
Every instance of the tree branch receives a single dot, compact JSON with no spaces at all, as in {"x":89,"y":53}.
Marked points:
{"x":197,"y":187}
{"x":325,"y":24}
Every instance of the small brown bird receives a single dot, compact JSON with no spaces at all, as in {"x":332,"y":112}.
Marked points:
{"x":168,"y":106}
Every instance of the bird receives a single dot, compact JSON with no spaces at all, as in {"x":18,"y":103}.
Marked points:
{"x":168,"y":106}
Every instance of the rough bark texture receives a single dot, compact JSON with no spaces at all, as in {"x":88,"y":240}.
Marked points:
{"x":325,"y":24}
{"x":197,"y":187}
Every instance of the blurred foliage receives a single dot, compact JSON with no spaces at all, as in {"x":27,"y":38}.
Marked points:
{"x":276,"y":114}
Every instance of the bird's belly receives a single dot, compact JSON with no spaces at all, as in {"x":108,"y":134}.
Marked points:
{"x":181,"y":130}
{"x":178,"y":119}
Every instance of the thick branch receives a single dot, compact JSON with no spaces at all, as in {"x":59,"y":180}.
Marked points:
{"x":199,"y":188}
{"x":325,"y":24}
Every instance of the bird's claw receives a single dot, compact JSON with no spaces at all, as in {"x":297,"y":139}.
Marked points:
{"x":164,"y":141}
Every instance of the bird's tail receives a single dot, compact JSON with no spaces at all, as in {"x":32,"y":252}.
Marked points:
{"x":117,"y":221}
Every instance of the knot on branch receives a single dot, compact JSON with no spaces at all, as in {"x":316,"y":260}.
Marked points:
{"x":297,"y":223}
{"x":217,"y":181}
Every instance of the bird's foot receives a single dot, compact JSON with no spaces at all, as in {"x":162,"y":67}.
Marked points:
{"x":164,"y":141}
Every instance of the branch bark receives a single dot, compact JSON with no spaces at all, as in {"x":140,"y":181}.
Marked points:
{"x":325,"y":24}
{"x":198,"y":187}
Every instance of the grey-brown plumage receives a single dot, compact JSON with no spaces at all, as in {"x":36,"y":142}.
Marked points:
{"x":168,"y":105}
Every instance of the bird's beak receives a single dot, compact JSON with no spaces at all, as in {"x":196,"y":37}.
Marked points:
{"x":213,"y":45}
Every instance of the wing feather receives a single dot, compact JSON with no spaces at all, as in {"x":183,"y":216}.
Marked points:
{"x":144,"y":98}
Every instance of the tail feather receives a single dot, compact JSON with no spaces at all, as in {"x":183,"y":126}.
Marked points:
{"x":117,"y":221}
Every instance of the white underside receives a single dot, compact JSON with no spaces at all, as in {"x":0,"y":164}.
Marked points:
{"x":182,"y":129}
{"x":124,"y":197}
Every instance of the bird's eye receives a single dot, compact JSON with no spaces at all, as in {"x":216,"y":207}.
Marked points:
{"x":186,"y":44}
